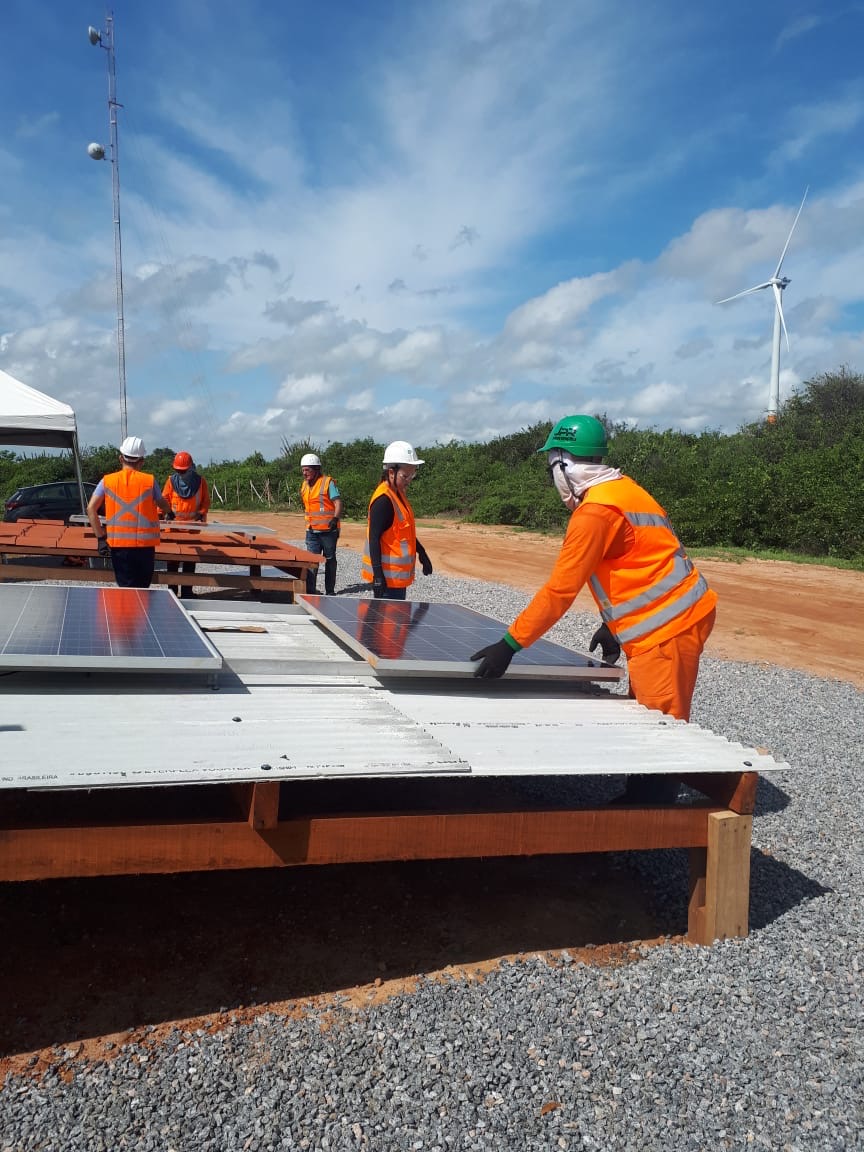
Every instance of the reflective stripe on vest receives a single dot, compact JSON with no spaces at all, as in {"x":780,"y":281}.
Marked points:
{"x":681,"y":569}
{"x":657,"y":604}
{"x":398,"y":543}
{"x":131,"y":515}
{"x":668,"y":612}
{"x":318,"y":505}
{"x":185,"y":507}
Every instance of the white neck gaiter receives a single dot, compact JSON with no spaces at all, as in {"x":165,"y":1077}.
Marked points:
{"x":574,"y":477}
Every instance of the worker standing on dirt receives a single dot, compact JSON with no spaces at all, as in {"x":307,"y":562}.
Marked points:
{"x":652,"y":600}
{"x":132,"y":502}
{"x":323,"y":507}
{"x":187,"y":493}
{"x":392,"y":548}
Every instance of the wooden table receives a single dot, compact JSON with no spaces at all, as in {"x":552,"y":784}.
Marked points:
{"x":237,"y":549}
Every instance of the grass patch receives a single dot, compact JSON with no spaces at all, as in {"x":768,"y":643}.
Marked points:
{"x":739,"y":555}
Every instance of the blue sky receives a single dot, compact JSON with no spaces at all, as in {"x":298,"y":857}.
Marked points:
{"x":428,"y":221}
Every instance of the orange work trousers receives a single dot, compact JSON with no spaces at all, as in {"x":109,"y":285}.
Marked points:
{"x":665,"y":677}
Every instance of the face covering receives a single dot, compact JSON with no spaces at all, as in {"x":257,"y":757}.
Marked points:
{"x":573,"y":477}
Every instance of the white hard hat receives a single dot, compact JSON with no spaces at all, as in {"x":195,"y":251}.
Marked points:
{"x":133,"y":447}
{"x":401,"y":452}
{"x":310,"y":460}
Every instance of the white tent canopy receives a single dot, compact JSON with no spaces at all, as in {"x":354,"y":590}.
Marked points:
{"x":31,"y":418}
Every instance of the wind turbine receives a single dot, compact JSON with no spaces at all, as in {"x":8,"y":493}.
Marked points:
{"x":778,"y":283}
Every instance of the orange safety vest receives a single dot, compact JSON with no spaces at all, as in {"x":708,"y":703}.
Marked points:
{"x":398,"y":543}
{"x":656,"y":592}
{"x":320,"y":509}
{"x":187,"y":508}
{"x":131,"y":515}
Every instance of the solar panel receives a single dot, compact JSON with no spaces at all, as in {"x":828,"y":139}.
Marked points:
{"x":405,"y":637}
{"x":129,"y":629}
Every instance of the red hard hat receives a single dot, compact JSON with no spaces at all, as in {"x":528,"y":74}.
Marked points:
{"x":182,"y":461}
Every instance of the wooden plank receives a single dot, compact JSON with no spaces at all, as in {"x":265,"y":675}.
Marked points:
{"x":201,"y":579}
{"x":42,"y":853}
{"x":720,"y":880}
{"x":733,"y":790}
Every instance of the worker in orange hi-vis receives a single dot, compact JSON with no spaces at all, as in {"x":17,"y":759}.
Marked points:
{"x":132,"y":504}
{"x":187,"y":493}
{"x":653,"y":601}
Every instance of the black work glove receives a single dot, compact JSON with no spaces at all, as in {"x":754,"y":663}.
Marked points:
{"x":494,"y":660}
{"x":200,"y":517}
{"x":425,"y":562}
{"x":379,"y":586}
{"x":169,"y":516}
{"x":604,"y":639}
{"x":102,"y":547}
{"x":334,"y":524}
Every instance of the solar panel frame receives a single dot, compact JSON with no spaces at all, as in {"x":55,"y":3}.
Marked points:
{"x":51,"y":626}
{"x":355,"y":621}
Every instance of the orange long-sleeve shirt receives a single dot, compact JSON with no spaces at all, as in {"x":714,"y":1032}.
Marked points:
{"x":594,"y":531}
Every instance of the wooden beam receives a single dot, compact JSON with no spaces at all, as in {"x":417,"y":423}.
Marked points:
{"x":720,"y":880}
{"x":42,"y":853}
{"x":733,"y":790}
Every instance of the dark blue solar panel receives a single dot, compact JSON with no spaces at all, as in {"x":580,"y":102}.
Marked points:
{"x":398,"y":634}
{"x":44,"y":625}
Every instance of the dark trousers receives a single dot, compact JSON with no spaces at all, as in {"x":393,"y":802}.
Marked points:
{"x":184,"y":591}
{"x":133,"y":567}
{"x":322,"y":543}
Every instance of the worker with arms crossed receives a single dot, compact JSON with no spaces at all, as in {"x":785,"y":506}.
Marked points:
{"x":189,"y":496}
{"x":132,"y":503}
{"x":653,"y":601}
{"x":322,"y":505}
{"x":392,"y":548}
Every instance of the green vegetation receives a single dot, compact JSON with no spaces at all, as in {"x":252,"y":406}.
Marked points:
{"x":792,"y":488}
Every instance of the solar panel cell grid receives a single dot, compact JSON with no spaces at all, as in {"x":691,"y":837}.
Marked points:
{"x":410,"y":637}
{"x":53,"y":626}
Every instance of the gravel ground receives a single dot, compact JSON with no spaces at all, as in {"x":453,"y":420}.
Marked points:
{"x":750,"y":1043}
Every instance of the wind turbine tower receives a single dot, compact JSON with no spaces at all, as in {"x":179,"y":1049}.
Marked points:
{"x":778,"y":283}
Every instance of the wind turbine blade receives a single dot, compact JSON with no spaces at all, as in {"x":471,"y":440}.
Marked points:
{"x":791,"y":230}
{"x":746,"y":292}
{"x":778,"y":296}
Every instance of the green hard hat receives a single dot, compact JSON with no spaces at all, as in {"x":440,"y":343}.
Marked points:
{"x":578,"y":435}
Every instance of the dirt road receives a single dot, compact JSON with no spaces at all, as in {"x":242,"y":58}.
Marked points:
{"x":795,"y":615}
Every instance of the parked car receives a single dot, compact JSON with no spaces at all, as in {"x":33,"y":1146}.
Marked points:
{"x":56,"y":501}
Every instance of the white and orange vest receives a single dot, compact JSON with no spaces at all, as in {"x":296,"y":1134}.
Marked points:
{"x":317,"y":503}
{"x":131,"y":515}
{"x":188,"y":507}
{"x":658,"y":592}
{"x":398,"y":543}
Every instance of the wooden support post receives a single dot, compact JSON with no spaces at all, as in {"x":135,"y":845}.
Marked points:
{"x":258,"y":803}
{"x":264,"y":808}
{"x":720,"y":880}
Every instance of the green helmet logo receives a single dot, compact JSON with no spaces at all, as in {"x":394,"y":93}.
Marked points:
{"x":578,"y":435}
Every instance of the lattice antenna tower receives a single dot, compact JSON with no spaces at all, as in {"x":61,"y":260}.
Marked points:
{"x":97,"y":152}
